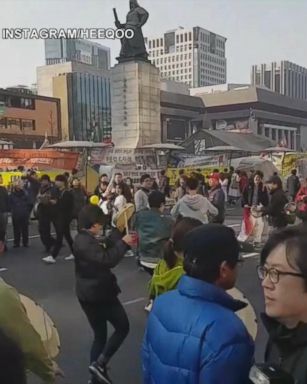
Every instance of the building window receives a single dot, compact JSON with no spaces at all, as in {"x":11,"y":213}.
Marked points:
{"x":154,"y":43}
{"x":181,"y":38}
{"x":177,"y":39}
{"x":260,"y":130}
{"x":13,"y":124}
{"x":185,"y":37}
{"x":190,"y":36}
{"x":273,"y":134}
{"x":149,"y":44}
{"x":267,"y":132}
{"x":3,"y":123}
{"x":28,"y":124}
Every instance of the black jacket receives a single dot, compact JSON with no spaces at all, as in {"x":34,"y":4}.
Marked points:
{"x":275,"y":209}
{"x":287,"y":348}
{"x":20,"y":204}
{"x":4,"y":200}
{"x":63,"y":209}
{"x":248,"y":194}
{"x":93,"y":263}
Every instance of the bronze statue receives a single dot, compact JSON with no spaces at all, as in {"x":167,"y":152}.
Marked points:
{"x":134,"y":47}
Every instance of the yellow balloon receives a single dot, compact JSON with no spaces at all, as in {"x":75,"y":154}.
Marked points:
{"x":94,"y":200}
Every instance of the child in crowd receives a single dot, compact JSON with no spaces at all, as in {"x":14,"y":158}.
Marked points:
{"x":170,"y":268}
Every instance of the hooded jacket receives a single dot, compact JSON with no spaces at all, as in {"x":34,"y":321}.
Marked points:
{"x":195,"y":206}
{"x":287,"y":348}
{"x":193,"y":336}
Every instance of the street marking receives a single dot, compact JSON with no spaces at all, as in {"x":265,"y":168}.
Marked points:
{"x":30,"y":237}
{"x":134,"y":301}
{"x":248,"y":255}
{"x":3,"y":269}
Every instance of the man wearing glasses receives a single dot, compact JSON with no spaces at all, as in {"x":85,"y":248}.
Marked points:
{"x":283,"y":272}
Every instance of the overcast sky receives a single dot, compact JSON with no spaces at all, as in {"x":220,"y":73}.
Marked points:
{"x":257,"y":30}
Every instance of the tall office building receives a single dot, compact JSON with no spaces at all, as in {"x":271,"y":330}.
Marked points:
{"x":284,"y":77}
{"x":82,"y":51}
{"x":193,"y":56}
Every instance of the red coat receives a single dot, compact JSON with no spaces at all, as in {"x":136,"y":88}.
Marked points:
{"x":301,"y":194}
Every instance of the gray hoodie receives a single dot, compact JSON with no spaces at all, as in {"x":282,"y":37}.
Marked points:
{"x":195,"y":206}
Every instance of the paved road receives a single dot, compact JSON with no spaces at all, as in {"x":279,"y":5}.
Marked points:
{"x":53,"y":288}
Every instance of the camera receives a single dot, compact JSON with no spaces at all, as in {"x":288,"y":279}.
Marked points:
{"x":269,"y":374}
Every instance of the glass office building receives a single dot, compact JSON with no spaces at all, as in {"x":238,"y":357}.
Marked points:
{"x":89,"y":107}
{"x":82,"y":51}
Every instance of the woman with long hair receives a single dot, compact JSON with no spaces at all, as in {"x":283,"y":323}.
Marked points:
{"x":170,"y":268}
{"x":123,"y":196}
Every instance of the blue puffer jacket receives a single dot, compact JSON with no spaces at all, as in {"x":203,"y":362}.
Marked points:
{"x":193,"y":336}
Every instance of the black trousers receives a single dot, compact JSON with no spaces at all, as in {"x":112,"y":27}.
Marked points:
{"x":44,"y":228}
{"x":21,"y":228}
{"x":98,"y":314}
{"x":62,"y":230}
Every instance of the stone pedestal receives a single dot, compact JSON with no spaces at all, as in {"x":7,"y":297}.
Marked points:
{"x":135,"y":98}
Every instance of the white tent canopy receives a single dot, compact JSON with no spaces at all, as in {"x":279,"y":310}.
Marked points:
{"x":78,"y":144}
{"x":253,"y":162}
{"x":165,"y":146}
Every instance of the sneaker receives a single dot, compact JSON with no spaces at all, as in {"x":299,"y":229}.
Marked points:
{"x":129,"y":253}
{"x":148,"y":307}
{"x":70,"y":257}
{"x":100,"y":373}
{"x":49,"y":260}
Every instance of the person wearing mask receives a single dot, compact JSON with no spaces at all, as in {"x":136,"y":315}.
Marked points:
{"x":141,"y":196}
{"x":15,"y":324}
{"x":256,"y":197}
{"x":20,"y":205}
{"x":283,"y":272}
{"x":79,"y":197}
{"x":193,"y":334}
{"x":293,"y":185}
{"x":45,"y":212}
{"x":217,"y":198}
{"x":97,"y":289}
{"x":102,"y":186}
{"x":170,"y":269}
{"x":193,"y":204}
{"x":62,"y":216}
{"x":4,"y":210}
{"x":276,"y":208}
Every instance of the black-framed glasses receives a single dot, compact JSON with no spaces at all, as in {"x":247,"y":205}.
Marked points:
{"x":274,"y":274}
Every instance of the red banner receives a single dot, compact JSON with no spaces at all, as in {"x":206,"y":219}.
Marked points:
{"x":41,"y":159}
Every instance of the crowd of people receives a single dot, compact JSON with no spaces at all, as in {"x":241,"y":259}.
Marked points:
{"x":193,"y":334}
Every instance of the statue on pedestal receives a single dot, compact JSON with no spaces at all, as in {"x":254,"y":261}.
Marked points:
{"x":133,"y":48}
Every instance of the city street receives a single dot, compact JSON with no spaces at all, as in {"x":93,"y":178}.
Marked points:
{"x":53,"y":288}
